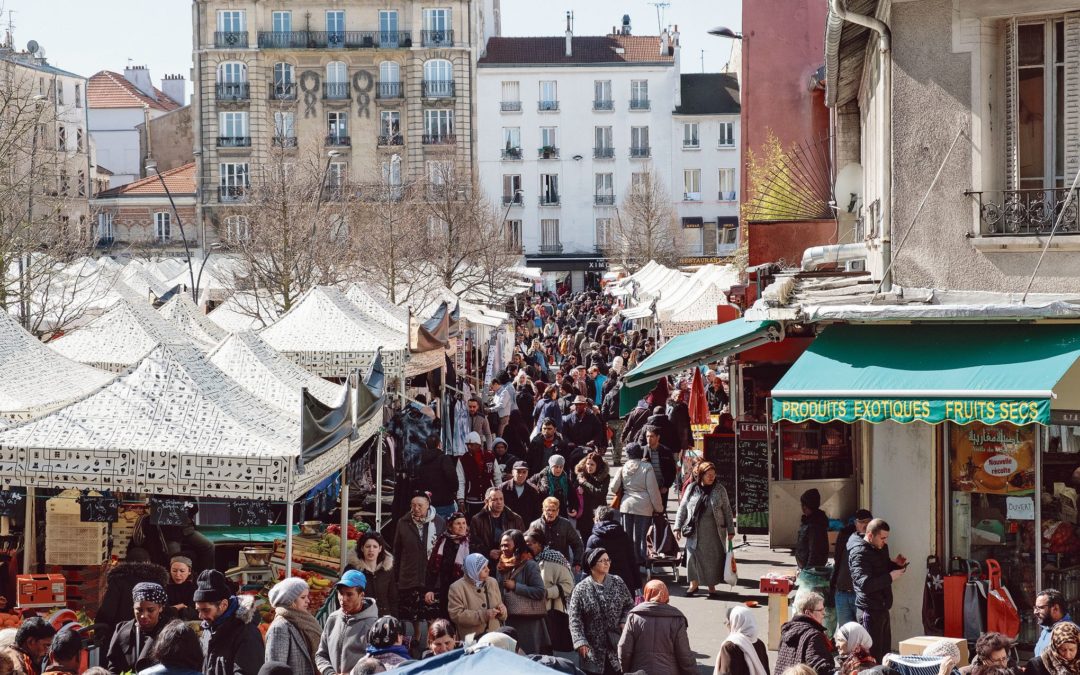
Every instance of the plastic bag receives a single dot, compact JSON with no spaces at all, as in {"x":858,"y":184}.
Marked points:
{"x":1001,"y":613}
{"x":731,"y":573}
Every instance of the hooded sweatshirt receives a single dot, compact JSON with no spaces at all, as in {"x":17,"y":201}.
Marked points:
{"x":802,"y":640}
{"x":611,"y":536}
{"x":344,"y":639}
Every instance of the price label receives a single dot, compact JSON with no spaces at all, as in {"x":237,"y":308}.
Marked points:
{"x":98,"y":508}
{"x":250,"y":513}
{"x":10,"y":502}
{"x":1019,"y":508}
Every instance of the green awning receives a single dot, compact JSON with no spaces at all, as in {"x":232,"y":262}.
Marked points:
{"x":932,"y":373}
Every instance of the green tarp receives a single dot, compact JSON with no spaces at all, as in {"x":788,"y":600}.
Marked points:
{"x":932,"y":373}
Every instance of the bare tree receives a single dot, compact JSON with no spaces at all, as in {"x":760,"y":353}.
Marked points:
{"x":644,"y":228}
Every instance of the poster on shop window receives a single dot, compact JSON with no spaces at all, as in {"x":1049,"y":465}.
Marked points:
{"x":997,"y":459}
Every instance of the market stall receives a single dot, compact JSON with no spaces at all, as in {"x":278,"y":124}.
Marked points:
{"x":181,"y":312}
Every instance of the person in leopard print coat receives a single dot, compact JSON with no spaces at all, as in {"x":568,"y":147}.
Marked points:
{"x":598,"y":609}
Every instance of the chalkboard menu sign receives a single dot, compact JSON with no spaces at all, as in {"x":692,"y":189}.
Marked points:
{"x":250,"y":513}
{"x":104,"y":508}
{"x":164,"y":511}
{"x":752,"y":471}
{"x":720,"y":450}
{"x":11,"y":501}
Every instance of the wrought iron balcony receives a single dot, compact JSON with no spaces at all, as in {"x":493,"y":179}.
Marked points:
{"x":603,"y":105}
{"x":437,"y":38}
{"x":547,"y":105}
{"x":548,"y":152}
{"x":515,"y":199}
{"x":335,"y":91}
{"x":388,"y":90}
{"x":604,"y":200}
{"x":510,"y":106}
{"x":337,"y":39}
{"x":551,"y":248}
{"x":234,"y":141}
{"x":549,"y":200}
{"x":438,"y":88}
{"x":639,"y":152}
{"x":390,"y":39}
{"x":283,"y":92}
{"x":233,"y":39}
{"x":603,"y":153}
{"x":439,"y":139}
{"x":639,"y":104}
{"x":284,"y":141}
{"x":1027,"y":212}
{"x":511,"y":153}
{"x":233,"y":91}
{"x":391,"y":139}
{"x":232,"y":193}
{"x":338,"y":140}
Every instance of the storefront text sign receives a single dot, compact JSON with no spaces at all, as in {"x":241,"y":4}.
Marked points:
{"x":995,"y":460}
{"x":1019,"y":508}
{"x":905,"y":410}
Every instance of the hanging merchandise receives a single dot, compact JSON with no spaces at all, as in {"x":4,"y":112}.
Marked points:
{"x":462,"y":426}
{"x":975,"y":592}
{"x":1001,"y":613}
{"x":412,"y":428}
{"x":933,"y":606}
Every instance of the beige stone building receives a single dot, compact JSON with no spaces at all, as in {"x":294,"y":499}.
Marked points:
{"x":372,"y":87}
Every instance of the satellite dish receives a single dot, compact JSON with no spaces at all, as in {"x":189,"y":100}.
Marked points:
{"x":847,"y":190}
{"x":33,"y":46}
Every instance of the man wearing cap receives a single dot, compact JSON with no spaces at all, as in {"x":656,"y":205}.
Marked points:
{"x":714,"y":393}
{"x":133,"y":641}
{"x":478,"y":469}
{"x":842,"y":588}
{"x":232,"y":643}
{"x":520,"y":496}
{"x":549,"y":442}
{"x":583,"y":429}
{"x":486,"y":528}
{"x":478,"y":421}
{"x":345,"y":635}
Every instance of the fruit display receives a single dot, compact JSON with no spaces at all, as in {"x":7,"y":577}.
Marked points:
{"x":319,"y":587}
{"x":355,"y":531}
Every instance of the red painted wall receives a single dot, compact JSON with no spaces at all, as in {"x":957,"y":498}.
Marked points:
{"x":773,"y":242}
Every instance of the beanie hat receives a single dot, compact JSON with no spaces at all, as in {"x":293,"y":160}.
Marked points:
{"x":148,"y":591}
{"x":275,"y":668}
{"x":385,"y":632}
{"x":285,"y":592}
{"x":593,"y":555}
{"x":556,"y":460}
{"x":182,"y":559}
{"x":811,"y":499}
{"x":212,"y":587}
{"x":634,"y":451}
{"x":473,"y":437}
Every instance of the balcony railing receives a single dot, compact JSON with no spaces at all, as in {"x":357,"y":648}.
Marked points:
{"x":391,"y":139}
{"x":639,"y":152}
{"x":639,"y":104}
{"x":437,"y":38}
{"x":1027,"y":212}
{"x":727,"y":196}
{"x":350,"y":39}
{"x":388,"y":90}
{"x":283,"y":92}
{"x":551,"y":248}
{"x":516,"y":200}
{"x":548,"y":152}
{"x":232,"y":193}
{"x":511,"y":153}
{"x":233,"y":91}
{"x":226,"y":39}
{"x":439,"y":139}
{"x":547,"y":105}
{"x":603,"y":105}
{"x":549,"y":200}
{"x":335,"y":91}
{"x":510,"y":106}
{"x":284,"y":141}
{"x":603,"y":153}
{"x":691,"y":196}
{"x":604,"y":200}
{"x":438,"y":88}
{"x":234,"y":141}
{"x":338,"y":140}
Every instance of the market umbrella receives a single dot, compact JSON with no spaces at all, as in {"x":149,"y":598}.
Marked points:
{"x":483,"y":660}
{"x":699,"y":404}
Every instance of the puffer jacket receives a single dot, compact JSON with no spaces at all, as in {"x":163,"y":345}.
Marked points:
{"x":812,"y":540}
{"x":344,"y":639}
{"x":234,"y":645}
{"x":802,"y":640}
{"x":870,"y":575}
{"x":641,"y":494}
{"x":655,"y":641}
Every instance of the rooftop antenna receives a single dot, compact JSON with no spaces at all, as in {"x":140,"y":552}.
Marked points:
{"x":660,"y":7}
{"x":702,"y":60}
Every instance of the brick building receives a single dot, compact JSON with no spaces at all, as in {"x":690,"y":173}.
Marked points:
{"x":138,"y":215}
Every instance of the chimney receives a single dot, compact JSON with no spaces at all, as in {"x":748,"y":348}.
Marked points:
{"x":140,"y":77}
{"x":175,"y":87}
{"x":664,"y":43}
{"x":569,"y":33}
{"x":626,"y":24}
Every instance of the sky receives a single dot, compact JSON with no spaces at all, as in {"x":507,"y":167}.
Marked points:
{"x":87,"y":36}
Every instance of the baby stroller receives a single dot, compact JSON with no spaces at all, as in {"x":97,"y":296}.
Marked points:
{"x":662,"y":550}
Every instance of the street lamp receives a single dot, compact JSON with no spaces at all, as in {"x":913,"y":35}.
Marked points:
{"x":151,"y":165}
{"x":322,"y":181}
{"x":202,"y":265}
{"x":24,"y":263}
{"x":725,"y":32}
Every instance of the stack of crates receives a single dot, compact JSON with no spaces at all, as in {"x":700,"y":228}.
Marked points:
{"x":68,"y":540}
{"x":127,"y":515}
{"x":85,"y":585}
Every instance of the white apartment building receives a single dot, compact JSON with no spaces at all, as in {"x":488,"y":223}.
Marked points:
{"x":563,"y":126}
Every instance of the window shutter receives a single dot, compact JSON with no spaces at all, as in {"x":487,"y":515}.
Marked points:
{"x":1072,"y":95}
{"x":1011,"y":101}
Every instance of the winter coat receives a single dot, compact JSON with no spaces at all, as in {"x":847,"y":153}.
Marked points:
{"x":479,"y":473}
{"x":438,"y":475}
{"x":567,"y":500}
{"x":166,"y":670}
{"x":870,"y":575}
{"x":841,"y":576}
{"x":663,"y":463}
{"x":344,"y":639}
{"x":613,"y":538}
{"x":123,"y":656}
{"x":479,"y":424}
{"x":733,"y":660}
{"x":559,"y":583}
{"x":641,"y":494}
{"x":718,"y":503}
{"x":547,"y":408}
{"x":482,"y":537}
{"x":24,"y":665}
{"x":528,"y":505}
{"x":802,"y":640}
{"x":635,"y":421}
{"x":116,"y":604}
{"x":593,"y":490}
{"x":669,"y":436}
{"x":381,"y":586}
{"x":680,"y":426}
{"x":467,"y":606}
{"x":539,"y":453}
{"x":563,"y":537}
{"x":584,"y":429}
{"x":412,"y":553}
{"x":594,"y":615}
{"x":183,"y":594}
{"x":812,"y":541}
{"x":234,"y":646}
{"x":655,"y":641}
{"x":285,"y":643}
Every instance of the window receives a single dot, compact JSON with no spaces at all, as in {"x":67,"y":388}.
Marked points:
{"x":336,"y":174}
{"x":232,"y":72}
{"x":690,"y":135}
{"x":639,"y":94}
{"x":65,"y":183}
{"x":335,"y":26}
{"x":602,"y":95}
{"x":639,"y":141}
{"x":604,"y":232}
{"x":1040,"y":105}
{"x":78,"y":95}
{"x":727,"y":233}
{"x":727,"y":135}
{"x":80,"y":188}
{"x":390,"y":71}
{"x":549,"y":235}
{"x":237,"y":229}
{"x":549,"y":188}
{"x":233,"y":181}
{"x":440,"y":172}
{"x":78,"y":139}
{"x":511,"y":143}
{"x":438,"y":78}
{"x":284,"y":79}
{"x":439,"y":124}
{"x":59,"y":92}
{"x":61,"y":137}
{"x":337,"y":125}
{"x":605,"y":189}
{"x":231,"y":21}
{"x":727,"y":185}
{"x":391,"y":171}
{"x":105,"y":231}
{"x":513,"y":235}
{"x":390,"y":127}
{"x":163,"y":227}
{"x":549,"y":143}
{"x":438,"y":30}
{"x":281,"y":21}
{"x":388,"y":28}
{"x":337,"y":80}
{"x":603,"y":147}
{"x":233,"y":125}
{"x":691,"y":185}
{"x":549,"y":95}
{"x":639,"y":181}
{"x":511,"y":97}
{"x":284,"y":125}
{"x":511,"y":188}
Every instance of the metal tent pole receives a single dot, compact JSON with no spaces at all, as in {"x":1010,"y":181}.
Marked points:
{"x":345,"y":516}
{"x":378,"y":482}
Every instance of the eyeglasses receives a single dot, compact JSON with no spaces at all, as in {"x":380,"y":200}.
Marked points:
{"x":819,"y":610}
{"x":604,"y":560}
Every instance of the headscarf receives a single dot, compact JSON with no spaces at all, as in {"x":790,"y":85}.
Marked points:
{"x":474,"y":564}
{"x":617,"y":365}
{"x":743,"y":634}
{"x":551,"y":555}
{"x":149,"y":592}
{"x":854,"y":636}
{"x":1062,"y":633}
{"x":434,"y":567}
{"x":656,"y":591}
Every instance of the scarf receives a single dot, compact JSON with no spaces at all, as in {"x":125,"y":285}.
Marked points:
{"x":425,"y":531}
{"x":551,"y":555}
{"x":656,"y":591}
{"x":744,"y":634}
{"x":857,"y":659}
{"x":854,"y":636}
{"x":308,"y":626}
{"x":1062,"y":633}
{"x":507,"y":564}
{"x":400,"y":650}
{"x":234,"y":605}
{"x":557,"y":486}
{"x":435,"y":563}
{"x":474,"y":564}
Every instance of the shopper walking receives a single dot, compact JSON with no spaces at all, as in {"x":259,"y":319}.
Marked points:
{"x":132,"y":644}
{"x":560,"y":533}
{"x":232,"y":643}
{"x":635,"y":481}
{"x":554,"y":481}
{"x":486,"y":528}
{"x":654,"y":639}
{"x":593,"y":479}
{"x":812,"y":540}
{"x":741,"y":652}
{"x":608,"y":534}
{"x":294,"y":634}
{"x":803,"y":639}
{"x":474,"y":602}
{"x":414,"y":540}
{"x":524,"y":594}
{"x":598,"y":609}
{"x":520,"y":496}
{"x":872,"y":575}
{"x":447,"y":562}
{"x":344,"y":637}
{"x":377,"y":564}
{"x":704,"y":519}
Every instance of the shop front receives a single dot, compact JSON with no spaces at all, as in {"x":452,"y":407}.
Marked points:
{"x":569,"y":272}
{"x":964,"y":440}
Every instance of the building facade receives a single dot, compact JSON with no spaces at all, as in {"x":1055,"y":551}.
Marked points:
{"x":361,"y":85}
{"x":564,"y":124}
{"x":138,"y":216}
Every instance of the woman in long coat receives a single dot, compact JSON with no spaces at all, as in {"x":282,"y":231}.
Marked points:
{"x":598,"y":609}
{"x":705,"y":520}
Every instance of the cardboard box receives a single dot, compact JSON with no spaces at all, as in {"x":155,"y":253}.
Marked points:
{"x":916,"y":645}
{"x":41,"y":590}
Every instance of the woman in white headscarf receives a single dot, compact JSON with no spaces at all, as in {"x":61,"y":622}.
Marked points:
{"x":853,"y":645}
{"x":474,"y":602}
{"x":742,"y":653}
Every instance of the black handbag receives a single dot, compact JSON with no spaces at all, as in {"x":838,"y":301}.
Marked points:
{"x":558,"y":625}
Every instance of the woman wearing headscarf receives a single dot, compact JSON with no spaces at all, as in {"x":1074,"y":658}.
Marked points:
{"x":447,"y":562}
{"x":523,"y":592}
{"x":593,"y":478}
{"x":598,"y":609}
{"x":132,"y":643}
{"x":742,"y":653}
{"x":655,"y":638}
{"x":293,"y":636}
{"x":474,"y":602}
{"x":704,"y":519}
{"x":637,"y":482}
{"x":853,"y":645}
{"x":554,"y":481}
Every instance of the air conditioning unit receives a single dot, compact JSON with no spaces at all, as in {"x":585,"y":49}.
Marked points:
{"x":857,"y":265}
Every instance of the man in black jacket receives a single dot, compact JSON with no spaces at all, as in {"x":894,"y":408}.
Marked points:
{"x":520,"y":496}
{"x":438,"y":474}
{"x":840,"y":583}
{"x":232,"y":643}
{"x":803,"y":639}
{"x":872,"y":575}
{"x":812,"y":540}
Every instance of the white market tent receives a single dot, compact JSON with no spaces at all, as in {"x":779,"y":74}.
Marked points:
{"x":244,"y":311}
{"x":186,"y":317}
{"x":373,"y":303}
{"x":36,"y":379}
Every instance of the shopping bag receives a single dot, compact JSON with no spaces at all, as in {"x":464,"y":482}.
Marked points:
{"x":1001,"y":613}
{"x":975,"y":592}
{"x":731,"y":573}
{"x":953,"y":585}
{"x":933,"y":615}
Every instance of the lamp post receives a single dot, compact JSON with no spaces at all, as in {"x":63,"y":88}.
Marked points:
{"x":151,"y":165}
{"x":322,"y":182}
{"x":725,"y":32}
{"x":202,"y":265}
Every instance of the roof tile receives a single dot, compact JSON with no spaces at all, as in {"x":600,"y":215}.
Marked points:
{"x":585,"y":49}
{"x":112,"y":90}
{"x":181,"y":181}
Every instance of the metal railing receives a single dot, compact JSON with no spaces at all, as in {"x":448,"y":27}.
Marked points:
{"x":437,"y":88}
{"x":603,"y":105}
{"x":335,"y":91}
{"x":437,"y":38}
{"x":233,"y":91}
{"x":603,"y":200}
{"x":510,"y":106}
{"x":388,"y":90}
{"x":284,"y":141}
{"x":603,"y":153}
{"x":1027,"y":212}
{"x":639,"y":104}
{"x":231,"y":39}
{"x":551,"y":248}
{"x":549,"y":200}
{"x":232,"y":193}
{"x":391,"y":139}
{"x":511,"y":153}
{"x":726,"y":195}
{"x":517,"y":200}
{"x":693,"y":143}
{"x":283,"y":92}
{"x":548,"y":152}
{"x":547,"y":105}
{"x":234,"y":141}
{"x":439,"y":139}
{"x":338,"y":140}
{"x":347,"y":39}
{"x":639,"y":152}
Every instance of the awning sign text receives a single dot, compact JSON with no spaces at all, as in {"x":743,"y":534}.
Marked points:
{"x":905,"y":410}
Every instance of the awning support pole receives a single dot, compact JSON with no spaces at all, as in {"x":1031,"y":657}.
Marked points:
{"x":378,"y":482}
{"x":29,"y":533}
{"x":288,"y":526}
{"x":345,"y":515}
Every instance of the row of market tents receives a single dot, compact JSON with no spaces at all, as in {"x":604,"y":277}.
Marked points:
{"x":677,"y":302}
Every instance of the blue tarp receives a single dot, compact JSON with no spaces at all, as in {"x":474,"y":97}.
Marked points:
{"x":485,"y":660}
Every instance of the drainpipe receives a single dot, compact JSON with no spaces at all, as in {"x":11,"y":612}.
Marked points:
{"x":884,"y":131}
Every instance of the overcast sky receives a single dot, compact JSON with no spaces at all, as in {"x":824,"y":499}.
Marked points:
{"x":86,"y":36}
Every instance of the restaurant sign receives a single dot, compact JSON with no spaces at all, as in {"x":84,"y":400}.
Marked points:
{"x":905,"y":410}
